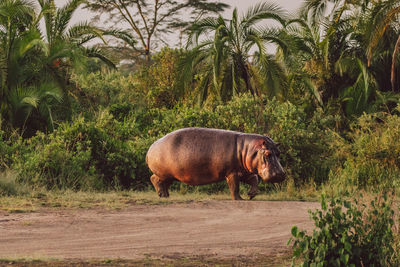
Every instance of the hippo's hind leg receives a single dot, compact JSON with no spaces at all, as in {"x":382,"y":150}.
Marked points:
{"x":233,"y":183}
{"x":251,"y":180}
{"x":161,"y":185}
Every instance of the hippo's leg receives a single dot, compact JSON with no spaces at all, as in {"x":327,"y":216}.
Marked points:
{"x":161,"y":185}
{"x":251,"y":180}
{"x":233,"y":183}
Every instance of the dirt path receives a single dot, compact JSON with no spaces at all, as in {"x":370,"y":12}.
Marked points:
{"x":210,"y":228}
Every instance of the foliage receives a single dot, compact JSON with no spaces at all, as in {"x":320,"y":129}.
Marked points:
{"x":35,"y":67}
{"x":304,"y":151}
{"x":9,"y":186}
{"x":222,"y":64}
{"x":348,"y":234}
{"x":153,"y":85}
{"x":148,"y":21}
{"x":347,"y":49}
{"x":158,"y":81}
{"x":369,"y":155}
{"x":80,"y":155}
{"x":101,"y":89}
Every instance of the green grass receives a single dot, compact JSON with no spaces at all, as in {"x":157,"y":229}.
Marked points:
{"x":36,"y":199}
{"x":203,"y":261}
{"x":17,"y":198}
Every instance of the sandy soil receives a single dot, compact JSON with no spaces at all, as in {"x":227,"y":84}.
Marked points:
{"x":210,"y":228}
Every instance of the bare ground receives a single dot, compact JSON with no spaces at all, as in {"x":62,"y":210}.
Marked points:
{"x":217,"y":229}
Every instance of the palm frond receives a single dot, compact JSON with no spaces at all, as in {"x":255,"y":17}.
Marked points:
{"x":201,"y":27}
{"x":261,"y":11}
{"x":63,"y":16}
{"x":83,"y":32}
{"x":98,"y":53}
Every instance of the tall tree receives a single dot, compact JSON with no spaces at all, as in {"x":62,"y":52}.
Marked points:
{"x":150,"y":19}
{"x":351,"y":58}
{"x":235,"y":60}
{"x":65,"y":43}
{"x":35,"y":67}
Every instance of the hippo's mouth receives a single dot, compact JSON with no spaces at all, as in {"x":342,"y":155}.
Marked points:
{"x":272,"y":178}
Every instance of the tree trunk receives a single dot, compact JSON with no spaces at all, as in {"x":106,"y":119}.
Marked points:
{"x":395,"y":52}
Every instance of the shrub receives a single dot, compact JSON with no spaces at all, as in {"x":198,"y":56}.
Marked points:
{"x":102,"y":89}
{"x":305,"y":154}
{"x":369,"y":155}
{"x":80,"y":155}
{"x":11,"y":148}
{"x":159,"y":80}
{"x":8,"y":185}
{"x":348,"y":234}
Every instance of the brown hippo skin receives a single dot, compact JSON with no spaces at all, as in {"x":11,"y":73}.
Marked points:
{"x":199,"y":156}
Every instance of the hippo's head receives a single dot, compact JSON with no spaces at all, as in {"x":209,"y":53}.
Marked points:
{"x":266,"y":161}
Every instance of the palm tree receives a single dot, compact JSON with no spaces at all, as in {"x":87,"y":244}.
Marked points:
{"x":65,"y":44}
{"x":226,"y":64}
{"x":345,"y":52}
{"x":33,"y":66}
{"x":385,"y":18}
{"x":374,"y":38}
{"x":19,"y":40}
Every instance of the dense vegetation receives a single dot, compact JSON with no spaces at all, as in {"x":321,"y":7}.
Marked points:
{"x":79,"y":116}
{"x":329,"y":94}
{"x":349,"y":234}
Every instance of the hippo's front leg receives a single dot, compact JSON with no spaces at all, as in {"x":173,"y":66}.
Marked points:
{"x":233,"y":183}
{"x":251,"y":180}
{"x":161,"y":185}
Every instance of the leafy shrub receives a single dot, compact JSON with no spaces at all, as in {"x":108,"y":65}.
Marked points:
{"x":305,"y":154}
{"x":348,"y":234}
{"x":8,"y":185}
{"x":11,"y":148}
{"x":102,"y":89}
{"x":159,"y":80}
{"x":152,"y":86}
{"x":80,"y":155}
{"x":369,"y":156}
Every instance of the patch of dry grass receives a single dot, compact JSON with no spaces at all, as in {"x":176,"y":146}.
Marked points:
{"x":203,"y":261}
{"x":37,"y":199}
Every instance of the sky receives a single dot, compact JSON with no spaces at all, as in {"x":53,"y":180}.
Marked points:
{"x":242,"y":5}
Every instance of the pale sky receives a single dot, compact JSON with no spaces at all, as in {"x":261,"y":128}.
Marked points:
{"x":242,"y":5}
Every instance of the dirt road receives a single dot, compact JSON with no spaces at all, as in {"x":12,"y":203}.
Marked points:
{"x":208,"y":228}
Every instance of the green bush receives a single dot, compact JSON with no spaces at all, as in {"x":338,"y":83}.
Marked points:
{"x":102,"y":89}
{"x":11,"y":148}
{"x":348,"y":234}
{"x":8,"y":184}
{"x":369,"y":155}
{"x":80,"y":155}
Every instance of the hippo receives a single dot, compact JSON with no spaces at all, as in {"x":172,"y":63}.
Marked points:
{"x":200,"y":156}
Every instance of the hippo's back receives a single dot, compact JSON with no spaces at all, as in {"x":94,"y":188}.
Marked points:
{"x":194,"y":155}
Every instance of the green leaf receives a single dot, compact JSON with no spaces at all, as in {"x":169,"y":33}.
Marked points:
{"x":294,"y":231}
{"x":344,"y":258}
{"x":323,"y":202}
